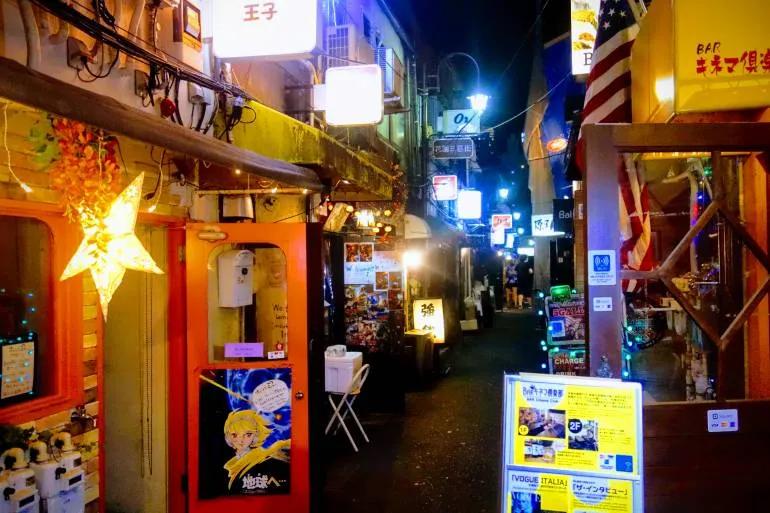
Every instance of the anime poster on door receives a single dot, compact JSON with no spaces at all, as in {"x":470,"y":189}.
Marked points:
{"x":245,"y":432}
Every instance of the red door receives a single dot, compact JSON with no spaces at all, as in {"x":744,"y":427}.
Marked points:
{"x":247,"y":368}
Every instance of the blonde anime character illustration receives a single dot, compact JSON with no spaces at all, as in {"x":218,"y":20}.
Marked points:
{"x":246,"y":432}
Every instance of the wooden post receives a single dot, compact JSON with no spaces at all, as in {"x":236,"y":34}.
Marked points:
{"x":603,"y":329}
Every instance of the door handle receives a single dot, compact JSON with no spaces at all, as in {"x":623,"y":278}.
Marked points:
{"x":299,"y":395}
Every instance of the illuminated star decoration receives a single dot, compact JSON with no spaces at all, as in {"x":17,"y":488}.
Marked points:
{"x":110,"y":246}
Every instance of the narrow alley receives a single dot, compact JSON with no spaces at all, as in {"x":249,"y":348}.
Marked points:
{"x":442,"y":454}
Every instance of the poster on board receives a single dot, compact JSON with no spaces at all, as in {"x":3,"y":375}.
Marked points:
{"x":571,"y":444}
{"x":245,"y":432}
{"x":359,"y":265}
{"x":543,"y":493}
{"x":566,"y":321}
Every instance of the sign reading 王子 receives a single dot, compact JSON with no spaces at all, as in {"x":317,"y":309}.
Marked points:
{"x":278,"y":29}
{"x":428,"y":314}
{"x":571,"y":444}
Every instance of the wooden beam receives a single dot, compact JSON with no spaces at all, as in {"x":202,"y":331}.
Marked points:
{"x":649,"y":137}
{"x":23,"y":85}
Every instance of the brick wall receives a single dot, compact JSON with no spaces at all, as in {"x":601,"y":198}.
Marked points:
{"x":137,"y":158}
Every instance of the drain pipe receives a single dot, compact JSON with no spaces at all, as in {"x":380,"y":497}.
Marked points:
{"x":63,"y":32}
{"x":133,"y":26}
{"x":31,"y":34}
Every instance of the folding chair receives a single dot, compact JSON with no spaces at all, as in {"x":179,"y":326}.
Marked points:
{"x":346,"y":401}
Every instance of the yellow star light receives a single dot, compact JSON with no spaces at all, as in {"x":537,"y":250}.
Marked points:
{"x":110,"y":246}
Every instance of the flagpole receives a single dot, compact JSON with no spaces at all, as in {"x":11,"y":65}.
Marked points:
{"x":636,"y":10}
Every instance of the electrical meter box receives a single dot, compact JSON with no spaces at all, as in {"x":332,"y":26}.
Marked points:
{"x":236,"y":278}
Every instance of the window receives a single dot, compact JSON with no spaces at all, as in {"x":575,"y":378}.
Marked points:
{"x":248,"y":303}
{"x":40,"y":317}
{"x":25,"y":302}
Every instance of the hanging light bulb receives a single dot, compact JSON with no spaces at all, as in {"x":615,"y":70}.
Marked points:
{"x":388,"y":229}
{"x":388,"y":212}
{"x":349,"y":208}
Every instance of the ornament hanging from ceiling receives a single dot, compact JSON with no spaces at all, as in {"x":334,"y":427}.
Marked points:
{"x":110,"y":245}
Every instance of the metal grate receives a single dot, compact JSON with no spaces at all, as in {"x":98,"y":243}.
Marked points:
{"x":338,"y":46}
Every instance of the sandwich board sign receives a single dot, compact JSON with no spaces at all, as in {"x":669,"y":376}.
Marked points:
{"x":571,"y":444}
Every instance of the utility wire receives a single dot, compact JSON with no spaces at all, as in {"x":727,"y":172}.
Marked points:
{"x":529,"y":108}
{"x":523,"y":43}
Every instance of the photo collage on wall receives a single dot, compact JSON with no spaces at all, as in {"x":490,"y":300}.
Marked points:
{"x":374,"y":296}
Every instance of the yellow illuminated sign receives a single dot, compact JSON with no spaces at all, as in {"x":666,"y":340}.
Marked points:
{"x":535,"y":491}
{"x":571,"y":444}
{"x":701,"y":56}
{"x":722,"y":54}
{"x":428,"y":314}
{"x":572,"y":427}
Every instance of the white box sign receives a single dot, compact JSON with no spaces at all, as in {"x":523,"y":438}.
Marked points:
{"x":602,"y":304}
{"x":601,"y":268}
{"x":274,"y":29}
{"x":722,"y":421}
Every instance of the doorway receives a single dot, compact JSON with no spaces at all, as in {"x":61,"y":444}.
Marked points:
{"x":136,"y":383}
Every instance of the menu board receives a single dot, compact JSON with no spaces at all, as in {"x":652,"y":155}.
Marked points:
{"x":18,"y":368}
{"x":571,"y":444}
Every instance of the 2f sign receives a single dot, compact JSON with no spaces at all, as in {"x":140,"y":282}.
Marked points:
{"x":601,"y":268}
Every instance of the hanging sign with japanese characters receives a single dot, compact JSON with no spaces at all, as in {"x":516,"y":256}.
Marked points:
{"x":571,"y":444}
{"x":428,"y":314}
{"x":445,"y":187}
{"x":275,"y":29}
{"x":722,"y":54}
{"x":701,"y":56}
{"x":542,"y":226}
{"x":453,"y":148}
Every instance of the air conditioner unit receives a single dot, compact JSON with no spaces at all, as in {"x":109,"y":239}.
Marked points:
{"x":344,"y":47}
{"x":393,"y":79}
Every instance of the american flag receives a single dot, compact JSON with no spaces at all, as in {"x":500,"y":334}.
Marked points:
{"x":608,"y":100}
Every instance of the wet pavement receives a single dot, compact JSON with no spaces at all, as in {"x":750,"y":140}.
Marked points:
{"x":442,"y":454}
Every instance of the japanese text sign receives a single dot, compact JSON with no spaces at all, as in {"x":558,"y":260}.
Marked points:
{"x":270,"y":29}
{"x":445,"y":187}
{"x":722,"y":54}
{"x":572,"y":444}
{"x":542,"y":226}
{"x":428,"y":314}
{"x":502,"y":221}
{"x":453,"y":148}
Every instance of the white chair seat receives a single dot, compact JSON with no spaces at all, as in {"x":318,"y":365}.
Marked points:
{"x":345,"y":401}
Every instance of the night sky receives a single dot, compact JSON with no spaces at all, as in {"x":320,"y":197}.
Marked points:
{"x":501,"y":35}
{"x":493,"y":31}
